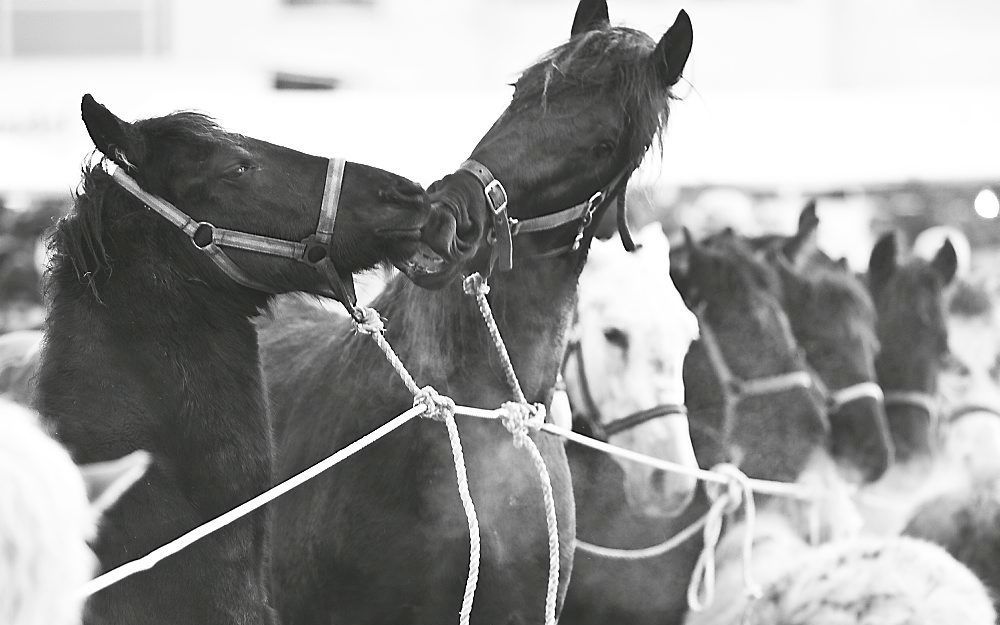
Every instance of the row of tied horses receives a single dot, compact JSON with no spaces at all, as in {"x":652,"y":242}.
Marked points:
{"x":154,"y":340}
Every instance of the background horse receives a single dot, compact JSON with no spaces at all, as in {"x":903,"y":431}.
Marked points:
{"x":624,"y":366}
{"x":50,"y":510}
{"x":771,"y":435}
{"x":149,"y":345}
{"x":388,"y":523}
{"x":833,"y":317}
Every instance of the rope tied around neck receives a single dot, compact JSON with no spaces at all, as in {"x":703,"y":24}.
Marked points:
{"x":518,"y":417}
{"x":726,"y":499}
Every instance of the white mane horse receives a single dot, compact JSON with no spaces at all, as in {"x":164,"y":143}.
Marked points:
{"x":624,"y":366}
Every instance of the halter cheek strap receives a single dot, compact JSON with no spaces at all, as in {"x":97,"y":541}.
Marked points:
{"x":210,"y":240}
{"x":506,"y":228}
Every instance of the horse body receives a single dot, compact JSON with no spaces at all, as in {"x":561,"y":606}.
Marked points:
{"x":388,"y":522}
{"x":149,"y":345}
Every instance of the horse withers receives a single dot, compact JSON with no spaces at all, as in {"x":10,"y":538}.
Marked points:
{"x":149,"y":342}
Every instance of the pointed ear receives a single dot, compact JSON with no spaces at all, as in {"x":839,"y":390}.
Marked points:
{"x":108,"y":481}
{"x":671,"y":53}
{"x":590,"y":15}
{"x":945,"y":262}
{"x":116,"y":139}
{"x":798,"y":247}
{"x":883,"y":262}
{"x":794,"y":287}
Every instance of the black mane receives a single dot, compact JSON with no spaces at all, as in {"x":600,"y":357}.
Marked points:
{"x":613,"y":59}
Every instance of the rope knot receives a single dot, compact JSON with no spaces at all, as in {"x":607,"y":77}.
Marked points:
{"x":439,"y":407}
{"x":368,"y":321}
{"x":518,"y":418}
{"x":733,"y":491}
{"x":475,"y":285}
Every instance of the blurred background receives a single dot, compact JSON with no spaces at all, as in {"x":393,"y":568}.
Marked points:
{"x":888,"y":111}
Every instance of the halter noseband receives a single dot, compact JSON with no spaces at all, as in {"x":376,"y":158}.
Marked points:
{"x":735,"y":389}
{"x":635,"y":419}
{"x":915,"y":399}
{"x":835,"y":400}
{"x":505,"y":227}
{"x":312,"y":250}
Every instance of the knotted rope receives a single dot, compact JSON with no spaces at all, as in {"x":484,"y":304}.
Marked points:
{"x":439,"y":408}
{"x":738,"y":490}
{"x":518,"y":417}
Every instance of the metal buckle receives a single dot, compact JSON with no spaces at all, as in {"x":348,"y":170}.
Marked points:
{"x":588,"y":216}
{"x":499,"y":203}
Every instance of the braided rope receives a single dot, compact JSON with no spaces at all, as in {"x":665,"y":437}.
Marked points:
{"x":440,"y":408}
{"x":518,"y":417}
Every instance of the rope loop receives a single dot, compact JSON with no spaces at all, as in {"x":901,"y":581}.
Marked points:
{"x":439,"y":407}
{"x":368,"y":321}
{"x":518,"y":418}
{"x":726,"y":499}
{"x":475,"y":285}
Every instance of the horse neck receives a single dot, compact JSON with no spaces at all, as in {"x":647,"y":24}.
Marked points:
{"x":444,"y":340}
{"x":154,"y":359}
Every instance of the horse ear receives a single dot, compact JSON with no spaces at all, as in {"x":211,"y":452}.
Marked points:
{"x":793,"y":286}
{"x":798,"y":246}
{"x":108,"y":481}
{"x":590,"y":15}
{"x":116,"y":139}
{"x":671,"y":53}
{"x":945,"y":262}
{"x":883,"y":261}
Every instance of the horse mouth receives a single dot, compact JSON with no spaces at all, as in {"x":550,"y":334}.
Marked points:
{"x":426,"y":268}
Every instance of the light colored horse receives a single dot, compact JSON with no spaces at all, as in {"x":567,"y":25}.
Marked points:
{"x":624,"y":366}
{"x":49,"y":510}
{"x":19,"y":354}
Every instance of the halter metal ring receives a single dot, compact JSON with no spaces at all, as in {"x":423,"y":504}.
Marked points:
{"x":203,"y":227}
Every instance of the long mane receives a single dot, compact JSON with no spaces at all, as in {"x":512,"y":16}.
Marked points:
{"x":614,"y":59}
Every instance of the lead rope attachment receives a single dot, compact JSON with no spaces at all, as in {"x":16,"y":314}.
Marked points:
{"x":519,"y":417}
{"x":738,"y":490}
{"x":439,"y":408}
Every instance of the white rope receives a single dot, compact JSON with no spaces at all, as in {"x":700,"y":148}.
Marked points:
{"x":517,"y":417}
{"x":701,"y":589}
{"x":645,"y":552}
{"x":440,"y":408}
{"x":157,"y":555}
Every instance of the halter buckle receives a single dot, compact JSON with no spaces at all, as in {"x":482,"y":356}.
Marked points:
{"x":588,"y":216}
{"x":497,"y":196}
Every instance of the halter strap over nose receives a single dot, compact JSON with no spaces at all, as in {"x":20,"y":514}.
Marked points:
{"x":312,"y":250}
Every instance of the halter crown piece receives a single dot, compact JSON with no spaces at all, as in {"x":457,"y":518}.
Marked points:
{"x":505,"y":227}
{"x":311,"y":250}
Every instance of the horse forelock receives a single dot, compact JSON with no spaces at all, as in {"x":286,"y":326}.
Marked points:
{"x":613,"y":60}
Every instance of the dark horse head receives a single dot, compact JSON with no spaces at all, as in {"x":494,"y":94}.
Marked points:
{"x":833,"y":319}
{"x":240,"y":183}
{"x":733,"y":374}
{"x":909,"y":299}
{"x":579,"y":122}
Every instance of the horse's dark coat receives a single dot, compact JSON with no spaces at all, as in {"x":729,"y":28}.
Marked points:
{"x":150,"y":346}
{"x":382,"y":538}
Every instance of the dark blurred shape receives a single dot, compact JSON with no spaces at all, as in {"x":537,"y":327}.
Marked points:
{"x":288,"y":80}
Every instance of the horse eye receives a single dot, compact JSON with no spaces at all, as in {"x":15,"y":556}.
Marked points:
{"x":236,"y":171}
{"x":604,"y":149}
{"x":616,"y":337}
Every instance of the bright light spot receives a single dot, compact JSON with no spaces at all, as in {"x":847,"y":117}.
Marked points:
{"x":987,"y":204}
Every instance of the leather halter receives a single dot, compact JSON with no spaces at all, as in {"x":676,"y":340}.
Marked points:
{"x":915,"y":399}
{"x":605,"y":430}
{"x":312,"y":250}
{"x":735,"y":389}
{"x":835,"y":400}
{"x":505,"y":227}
